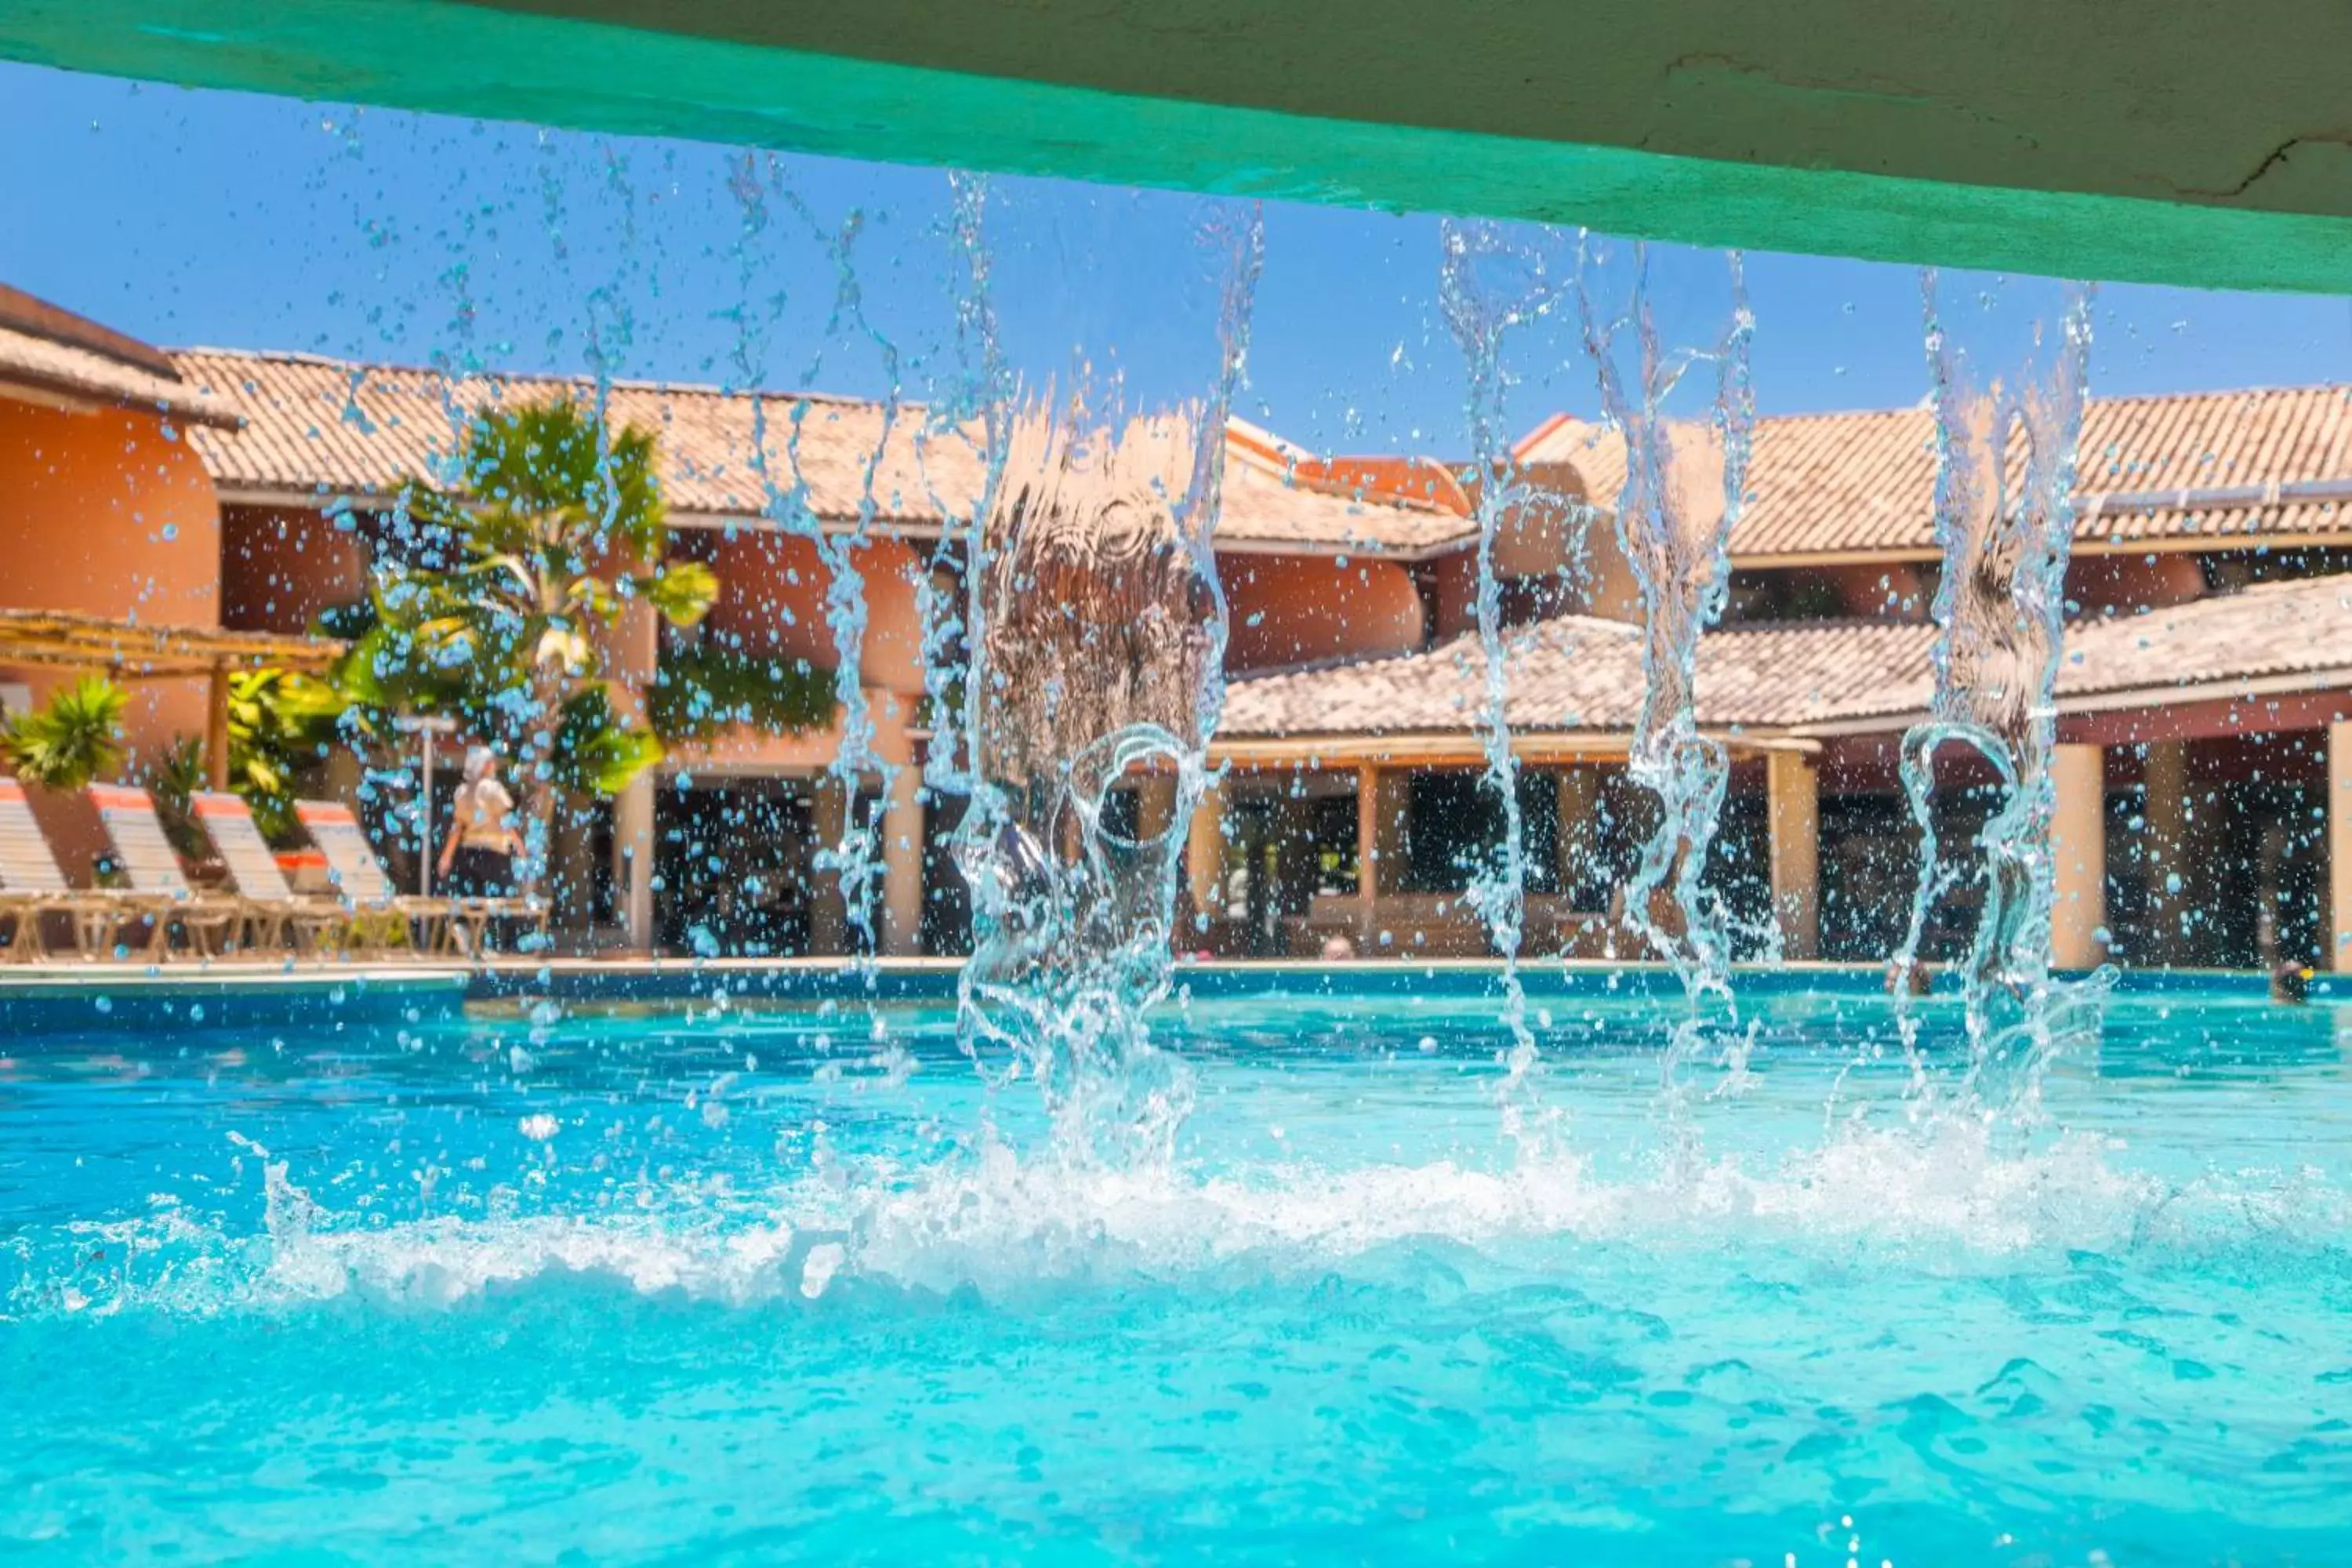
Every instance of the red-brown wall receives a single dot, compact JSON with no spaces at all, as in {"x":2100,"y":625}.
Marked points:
{"x":281,"y":566}
{"x":772,"y":595}
{"x":1302,"y":609}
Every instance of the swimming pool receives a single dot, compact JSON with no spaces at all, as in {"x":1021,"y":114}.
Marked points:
{"x":736,"y":1283}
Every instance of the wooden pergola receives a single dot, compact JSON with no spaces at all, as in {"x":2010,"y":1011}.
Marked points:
{"x":131,"y":651}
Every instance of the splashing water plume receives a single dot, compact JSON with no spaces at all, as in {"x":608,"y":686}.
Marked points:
{"x":1096,"y":635}
{"x":1487,"y":288}
{"x":855,"y":858}
{"x":2006,"y":453}
{"x":1686,"y":478}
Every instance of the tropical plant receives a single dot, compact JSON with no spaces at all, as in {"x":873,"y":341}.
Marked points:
{"x":702,"y":692}
{"x":595,"y":752}
{"x":278,"y":721}
{"x":71,"y":739}
{"x":492,"y":611}
{"x":173,"y":781}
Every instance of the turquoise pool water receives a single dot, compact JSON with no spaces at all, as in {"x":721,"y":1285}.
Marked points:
{"x":638,"y":1285}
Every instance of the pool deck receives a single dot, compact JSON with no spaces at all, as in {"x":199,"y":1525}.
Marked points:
{"x":77,"y":998}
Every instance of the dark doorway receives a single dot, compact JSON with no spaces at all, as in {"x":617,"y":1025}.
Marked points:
{"x":733,"y":868}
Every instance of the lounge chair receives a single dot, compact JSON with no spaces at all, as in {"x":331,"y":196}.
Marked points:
{"x":152,"y":869}
{"x":444,"y":925}
{"x":468,"y":930}
{"x":377,"y":912}
{"x":275,"y":915}
{"x":32,"y":887}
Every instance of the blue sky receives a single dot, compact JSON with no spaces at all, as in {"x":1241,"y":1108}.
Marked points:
{"x":198,"y":217}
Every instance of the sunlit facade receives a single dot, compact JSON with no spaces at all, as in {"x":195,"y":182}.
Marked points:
{"x":2208,"y":659}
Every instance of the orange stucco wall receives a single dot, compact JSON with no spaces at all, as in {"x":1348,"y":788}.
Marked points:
{"x":772,"y":591}
{"x":107,"y":514}
{"x":1296,"y":609}
{"x":281,"y":566}
{"x":1540,"y":532}
{"x":749,"y":750}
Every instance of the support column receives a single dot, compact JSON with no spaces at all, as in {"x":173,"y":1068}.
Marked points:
{"x":902,"y":866}
{"x":1368,"y":855}
{"x":828,"y":911}
{"x":216,"y":729}
{"x":1393,"y":801}
{"x":1155,"y":806}
{"x":1580,"y":827}
{"x":2339,"y":847}
{"x":632,"y":654}
{"x":2078,"y":849}
{"x":2165,"y":810}
{"x":632,"y":860}
{"x":1204,"y":854}
{"x":1793,"y":816}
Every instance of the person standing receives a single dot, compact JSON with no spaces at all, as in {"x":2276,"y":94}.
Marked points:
{"x":477,"y":857}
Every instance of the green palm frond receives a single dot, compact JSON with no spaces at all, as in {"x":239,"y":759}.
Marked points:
{"x":595,"y":751}
{"x":491,"y":609}
{"x":72,"y":740}
{"x":704,"y":693}
{"x":682,"y":592}
{"x":556,"y":456}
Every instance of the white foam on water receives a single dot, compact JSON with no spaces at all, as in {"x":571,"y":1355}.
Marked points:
{"x":1944,"y":1200}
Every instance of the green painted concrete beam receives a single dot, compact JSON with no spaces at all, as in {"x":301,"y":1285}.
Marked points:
{"x":2173,"y":141}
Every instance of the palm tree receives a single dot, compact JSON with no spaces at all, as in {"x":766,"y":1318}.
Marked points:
{"x":72,"y":740}
{"x":491,"y":605}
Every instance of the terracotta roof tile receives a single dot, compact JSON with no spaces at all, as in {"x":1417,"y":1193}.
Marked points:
{"x":318,"y":426}
{"x":1823,"y":484}
{"x":2268,"y":630}
{"x":1576,"y":673}
{"x":75,"y":370}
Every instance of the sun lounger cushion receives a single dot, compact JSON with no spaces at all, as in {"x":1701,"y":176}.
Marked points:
{"x":27,"y":866}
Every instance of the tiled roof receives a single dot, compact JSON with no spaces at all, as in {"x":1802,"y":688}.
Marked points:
{"x":2269,"y":630}
{"x":1576,"y":673}
{"x":323,"y":427}
{"x":1419,"y":484}
{"x":2203,"y":465}
{"x":55,"y":352}
{"x":317,"y":426}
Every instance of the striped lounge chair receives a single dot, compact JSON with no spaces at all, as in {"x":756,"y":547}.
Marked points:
{"x":275,"y":915}
{"x":33,"y":888}
{"x":378,"y":914}
{"x":152,"y":869}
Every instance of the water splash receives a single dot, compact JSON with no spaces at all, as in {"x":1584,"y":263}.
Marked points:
{"x":1487,"y":287}
{"x":2006,"y":452}
{"x":953,"y":603}
{"x":1096,"y":631}
{"x":1955,"y":1195}
{"x":1686,"y":481}
{"x":854,"y":858}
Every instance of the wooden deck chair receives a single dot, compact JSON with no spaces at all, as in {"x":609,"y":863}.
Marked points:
{"x":152,"y":869}
{"x":468,"y":927}
{"x":275,"y":916}
{"x":378,"y":912}
{"x":443,"y":925}
{"x":32,"y":887}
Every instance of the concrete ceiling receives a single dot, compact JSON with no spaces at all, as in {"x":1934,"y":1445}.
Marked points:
{"x":2177,"y":141}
